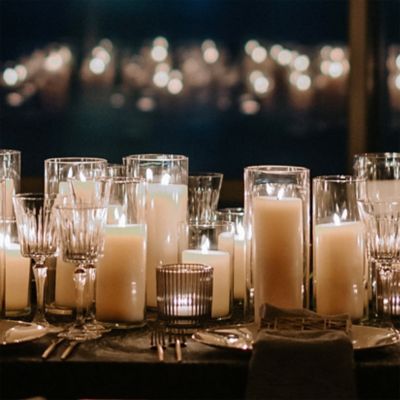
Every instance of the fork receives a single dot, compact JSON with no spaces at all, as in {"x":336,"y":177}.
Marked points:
{"x":177,"y":338}
{"x":157,"y":340}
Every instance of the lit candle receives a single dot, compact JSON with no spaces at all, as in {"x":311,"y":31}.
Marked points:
{"x":17,"y":278}
{"x":278,"y":251}
{"x":384,"y":189}
{"x":222,"y":282}
{"x":339,"y":267}
{"x":166,"y":208}
{"x":121,"y":275}
{"x":9,"y":190}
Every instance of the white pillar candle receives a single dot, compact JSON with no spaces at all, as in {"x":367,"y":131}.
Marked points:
{"x":339,"y":256}
{"x":383,"y":190}
{"x":121,"y":275}
{"x":65,"y":287}
{"x":239,"y":269}
{"x":17,"y":278}
{"x":220,"y":261}
{"x":7,"y":190}
{"x":166,"y":208}
{"x":278,"y":251}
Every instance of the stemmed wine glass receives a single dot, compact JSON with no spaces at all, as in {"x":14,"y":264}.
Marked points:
{"x":81,"y":232}
{"x":37,"y":234}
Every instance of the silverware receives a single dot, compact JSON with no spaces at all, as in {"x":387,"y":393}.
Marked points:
{"x":68,"y":350}
{"x":177,"y":338}
{"x":51,"y":347}
{"x":157,"y":341}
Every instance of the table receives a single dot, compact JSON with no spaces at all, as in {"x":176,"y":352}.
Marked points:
{"x":121,"y":365}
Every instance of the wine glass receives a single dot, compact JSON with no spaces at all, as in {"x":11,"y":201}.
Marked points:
{"x":81,"y":232}
{"x":37,"y":234}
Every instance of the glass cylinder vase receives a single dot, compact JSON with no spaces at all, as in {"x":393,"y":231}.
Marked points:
{"x":339,"y":250}
{"x":277,"y":234}
{"x":167,"y":204}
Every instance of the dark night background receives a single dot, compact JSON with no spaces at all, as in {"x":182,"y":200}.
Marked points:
{"x":217,"y":140}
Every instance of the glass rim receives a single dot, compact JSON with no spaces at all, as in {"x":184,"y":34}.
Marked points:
{"x":10,"y":152}
{"x":156,"y":157}
{"x":339,"y":179}
{"x":75,"y":160}
{"x":34,"y":195}
{"x":207,"y":224}
{"x":379,"y":155}
{"x":206,"y":175}
{"x":277,"y":169}
{"x":179,"y":267}
{"x":231,"y":211}
{"x":80,"y":206}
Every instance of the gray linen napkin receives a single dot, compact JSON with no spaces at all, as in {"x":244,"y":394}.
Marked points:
{"x":312,"y":364}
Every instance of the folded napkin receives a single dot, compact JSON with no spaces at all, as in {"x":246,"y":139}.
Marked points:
{"x":303,"y":360}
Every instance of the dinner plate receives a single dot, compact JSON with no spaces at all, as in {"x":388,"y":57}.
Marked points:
{"x":12,"y":332}
{"x":362,"y":337}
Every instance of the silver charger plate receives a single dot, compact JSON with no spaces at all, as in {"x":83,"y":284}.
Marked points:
{"x":13,"y":332}
{"x":362,"y":337}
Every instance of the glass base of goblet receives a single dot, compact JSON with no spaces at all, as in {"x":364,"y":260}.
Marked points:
{"x":79,"y":334}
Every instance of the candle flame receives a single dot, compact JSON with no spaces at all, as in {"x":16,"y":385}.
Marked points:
{"x":205,"y":244}
{"x":336,"y":219}
{"x":166,"y":178}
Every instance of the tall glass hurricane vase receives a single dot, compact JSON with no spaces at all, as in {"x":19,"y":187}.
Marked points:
{"x":37,"y":233}
{"x":167,"y":204}
{"x":277,"y":224}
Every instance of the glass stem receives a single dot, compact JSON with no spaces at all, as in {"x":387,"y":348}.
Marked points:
{"x":40,"y":273}
{"x":90,"y":311}
{"x":80,"y":278}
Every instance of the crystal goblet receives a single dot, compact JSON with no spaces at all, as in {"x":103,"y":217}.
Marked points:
{"x":37,"y":234}
{"x":81,"y":230}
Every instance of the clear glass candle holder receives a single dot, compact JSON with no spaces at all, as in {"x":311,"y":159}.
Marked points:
{"x":10,"y":178}
{"x":212,"y":244}
{"x":121,"y":273}
{"x":277,"y":232}
{"x":167,"y":202}
{"x":184,"y":294}
{"x":204,"y":191}
{"x":67,"y":176}
{"x":339,"y":247}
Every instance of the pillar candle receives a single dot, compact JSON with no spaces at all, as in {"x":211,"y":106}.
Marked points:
{"x":166,"y":208}
{"x":121,"y":275}
{"x":17,"y":278}
{"x":8,"y":190}
{"x":278,"y":251}
{"x":384,"y":190}
{"x":339,"y":267}
{"x":220,"y":261}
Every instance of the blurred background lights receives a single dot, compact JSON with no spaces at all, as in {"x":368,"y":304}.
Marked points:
{"x":325,"y":51}
{"x":261,"y":85}
{"x":254,"y":75}
{"x":97,"y":66}
{"x":303,"y":82}
{"x":336,"y":69}
{"x":275,"y":50}
{"x":160,"y":41}
{"x":301,"y":63}
{"x":53,"y":61}
{"x":159,"y":53}
{"x":284,"y":57}
{"x":211,"y":55}
{"x":160,"y":79}
{"x":146,"y":104}
{"x":398,"y":61}
{"x":102,"y":54}
{"x":175,"y":86}
{"x":14,"y":99}
{"x":259,"y":54}
{"x":21,"y":71}
{"x":10,"y":76}
{"x":397,"y":81}
{"x":249,"y":106}
{"x":250,"y":46}
{"x":337,"y":54}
